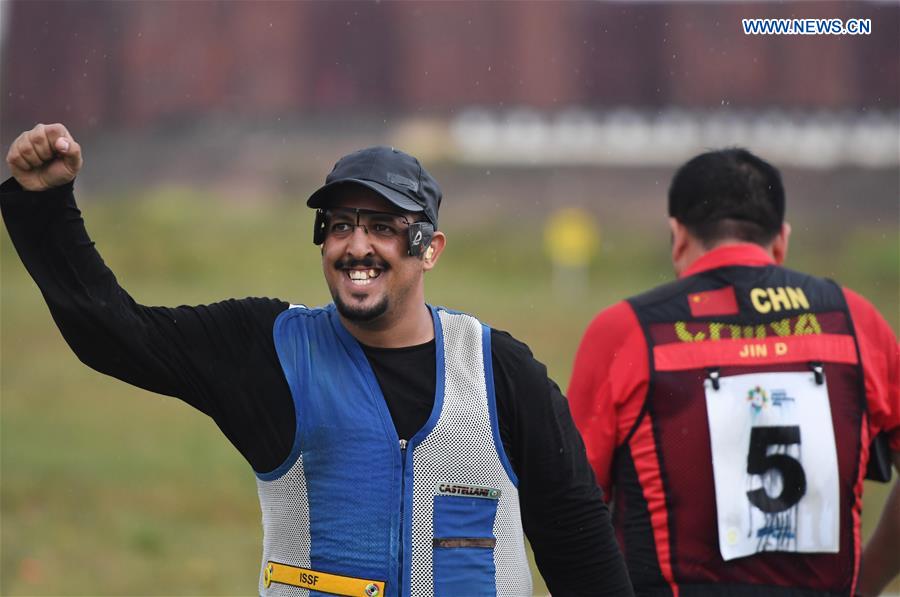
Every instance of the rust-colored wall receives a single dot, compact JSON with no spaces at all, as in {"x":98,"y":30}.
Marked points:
{"x":134,"y":63}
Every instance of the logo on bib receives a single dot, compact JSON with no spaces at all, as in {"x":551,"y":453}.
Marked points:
{"x":760,"y":400}
{"x":444,"y":488}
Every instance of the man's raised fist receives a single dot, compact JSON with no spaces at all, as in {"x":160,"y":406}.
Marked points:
{"x":45,"y":157}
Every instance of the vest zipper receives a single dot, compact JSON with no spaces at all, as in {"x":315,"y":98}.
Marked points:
{"x":402,"y":541}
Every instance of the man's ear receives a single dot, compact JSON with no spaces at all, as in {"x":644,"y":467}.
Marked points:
{"x":780,"y":244}
{"x":680,"y":244}
{"x":434,"y":250}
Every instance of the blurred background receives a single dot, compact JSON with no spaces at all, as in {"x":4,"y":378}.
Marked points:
{"x":205,"y":125}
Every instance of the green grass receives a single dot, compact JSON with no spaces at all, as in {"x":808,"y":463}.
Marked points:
{"x":110,"y":490}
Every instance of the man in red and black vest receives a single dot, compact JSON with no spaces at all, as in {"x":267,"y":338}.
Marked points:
{"x":729,"y":414}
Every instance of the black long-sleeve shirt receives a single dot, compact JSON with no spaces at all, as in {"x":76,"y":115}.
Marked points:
{"x":220,"y":358}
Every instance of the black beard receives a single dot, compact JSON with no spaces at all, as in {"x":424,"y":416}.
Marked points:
{"x":361,"y":314}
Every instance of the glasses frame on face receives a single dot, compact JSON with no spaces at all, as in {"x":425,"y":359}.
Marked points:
{"x":380,"y":224}
{"x":419,"y":232}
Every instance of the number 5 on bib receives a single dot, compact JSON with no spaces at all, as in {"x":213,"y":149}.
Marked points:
{"x":774,"y":464}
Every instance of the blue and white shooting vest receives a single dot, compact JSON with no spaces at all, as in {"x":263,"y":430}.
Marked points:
{"x":352,"y":511}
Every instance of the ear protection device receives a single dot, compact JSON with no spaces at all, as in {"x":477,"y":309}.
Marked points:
{"x":319,"y":227}
{"x":420,"y":234}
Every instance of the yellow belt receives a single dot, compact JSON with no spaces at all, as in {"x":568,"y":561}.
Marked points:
{"x":321,"y":581}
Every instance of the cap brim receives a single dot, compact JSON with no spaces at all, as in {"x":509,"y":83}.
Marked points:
{"x":322,"y":196}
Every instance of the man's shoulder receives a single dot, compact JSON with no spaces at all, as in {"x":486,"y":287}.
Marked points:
{"x":732,"y":287}
{"x":662,"y":293}
{"x":726,"y":274}
{"x":503,"y":343}
{"x":254,"y":304}
{"x":858,"y":303}
{"x":301,"y":310}
{"x":515,"y":356}
{"x":294,"y":315}
{"x":866,"y":318}
{"x":251,"y":310}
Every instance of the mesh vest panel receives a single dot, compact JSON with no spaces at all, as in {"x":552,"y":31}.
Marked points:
{"x":285,"y":518}
{"x":462,"y":448}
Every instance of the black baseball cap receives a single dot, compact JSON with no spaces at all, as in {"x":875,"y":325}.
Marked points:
{"x":393,"y":174}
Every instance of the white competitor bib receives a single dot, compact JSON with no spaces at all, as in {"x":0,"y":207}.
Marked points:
{"x":774,"y":464}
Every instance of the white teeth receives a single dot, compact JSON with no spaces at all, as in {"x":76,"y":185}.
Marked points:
{"x":362,"y":277}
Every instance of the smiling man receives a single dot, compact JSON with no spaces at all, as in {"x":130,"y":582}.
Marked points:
{"x":399,"y":448}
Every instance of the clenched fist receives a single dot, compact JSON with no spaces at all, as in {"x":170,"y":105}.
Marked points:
{"x":45,"y":157}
